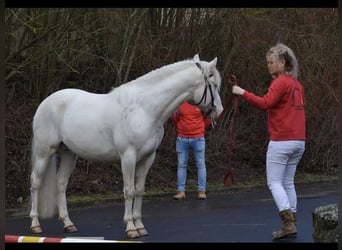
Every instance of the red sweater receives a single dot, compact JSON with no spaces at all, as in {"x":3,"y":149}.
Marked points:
{"x":284,"y":102}
{"x":189,"y":121}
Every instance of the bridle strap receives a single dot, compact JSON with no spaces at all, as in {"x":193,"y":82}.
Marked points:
{"x":228,"y":179}
{"x":207,"y":84}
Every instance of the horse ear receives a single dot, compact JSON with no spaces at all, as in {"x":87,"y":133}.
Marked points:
{"x":213,"y":62}
{"x":196,"y":58}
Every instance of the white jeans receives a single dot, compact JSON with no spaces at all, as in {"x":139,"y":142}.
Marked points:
{"x":281,"y":163}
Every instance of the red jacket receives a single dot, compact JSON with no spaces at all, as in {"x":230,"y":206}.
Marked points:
{"x":284,"y":102}
{"x":190,"y":121}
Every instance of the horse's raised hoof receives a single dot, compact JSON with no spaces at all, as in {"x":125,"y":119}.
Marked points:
{"x":142,"y":232}
{"x":132,"y":234}
{"x":70,"y":229}
{"x":36,"y":230}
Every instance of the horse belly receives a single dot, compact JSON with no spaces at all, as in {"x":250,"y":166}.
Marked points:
{"x":91,"y":143}
{"x":93,"y":151}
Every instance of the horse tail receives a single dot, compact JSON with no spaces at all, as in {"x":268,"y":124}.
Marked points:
{"x":47,"y":202}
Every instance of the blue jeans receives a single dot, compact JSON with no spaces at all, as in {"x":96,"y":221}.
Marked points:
{"x":183,"y":146}
{"x":281,"y":164}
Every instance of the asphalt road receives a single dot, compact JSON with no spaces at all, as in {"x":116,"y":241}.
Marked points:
{"x":247,"y":216}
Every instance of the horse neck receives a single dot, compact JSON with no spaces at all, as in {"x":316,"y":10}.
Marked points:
{"x":167,"y":96}
{"x":162,"y":94}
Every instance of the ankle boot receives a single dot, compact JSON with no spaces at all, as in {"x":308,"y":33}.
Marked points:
{"x":202,"y":195}
{"x":179,"y":196}
{"x":288,"y":227}
{"x":294,"y":214}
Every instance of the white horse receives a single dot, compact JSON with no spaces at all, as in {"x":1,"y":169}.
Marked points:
{"x":125,"y":126}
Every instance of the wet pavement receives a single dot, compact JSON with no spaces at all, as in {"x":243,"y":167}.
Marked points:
{"x":245,"y":216}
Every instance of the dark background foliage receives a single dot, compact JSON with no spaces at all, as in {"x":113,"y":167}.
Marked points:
{"x":97,"y":49}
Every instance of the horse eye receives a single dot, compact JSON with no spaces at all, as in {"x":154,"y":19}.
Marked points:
{"x":211,"y":75}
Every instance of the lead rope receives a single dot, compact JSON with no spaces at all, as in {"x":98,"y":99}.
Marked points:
{"x":228,"y":179}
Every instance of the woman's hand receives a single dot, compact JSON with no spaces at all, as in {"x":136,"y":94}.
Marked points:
{"x":237,"y":90}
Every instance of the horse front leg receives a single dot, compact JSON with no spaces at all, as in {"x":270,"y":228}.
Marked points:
{"x":67,"y":165}
{"x":128,"y":161}
{"x":131,"y":231}
{"x":141,"y":173}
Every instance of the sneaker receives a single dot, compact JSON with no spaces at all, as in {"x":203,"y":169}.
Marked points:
{"x":179,"y":196}
{"x":202,"y":195}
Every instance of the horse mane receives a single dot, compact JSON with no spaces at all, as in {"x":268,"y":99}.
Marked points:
{"x":165,"y":71}
{"x":159,"y":74}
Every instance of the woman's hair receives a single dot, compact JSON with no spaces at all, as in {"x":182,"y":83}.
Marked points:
{"x":283,"y":52}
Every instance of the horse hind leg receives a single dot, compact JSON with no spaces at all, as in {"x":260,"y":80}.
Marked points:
{"x":66,"y":167}
{"x":42,"y":187}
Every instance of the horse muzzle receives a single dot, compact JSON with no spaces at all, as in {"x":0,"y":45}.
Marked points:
{"x":213,"y":112}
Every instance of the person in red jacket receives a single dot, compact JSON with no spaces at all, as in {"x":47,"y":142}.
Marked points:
{"x":284,"y":103}
{"x":191,"y":124}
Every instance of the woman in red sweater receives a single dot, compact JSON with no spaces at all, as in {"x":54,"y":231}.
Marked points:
{"x":191,"y":124}
{"x":284,"y":103}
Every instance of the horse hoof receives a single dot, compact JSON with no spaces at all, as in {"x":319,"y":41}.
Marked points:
{"x":36,"y":230}
{"x":132,"y":234}
{"x":70,"y":229}
{"x":142,"y":232}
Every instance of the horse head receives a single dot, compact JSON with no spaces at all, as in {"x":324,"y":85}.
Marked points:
{"x":207,"y":96}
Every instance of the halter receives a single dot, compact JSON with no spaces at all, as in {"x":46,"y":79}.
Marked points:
{"x":207,"y":84}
